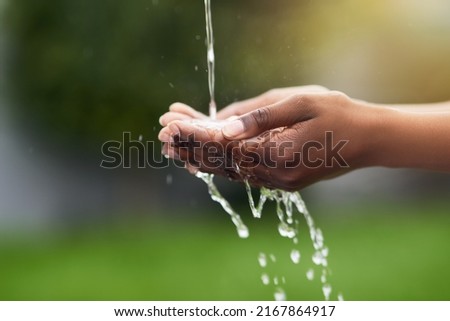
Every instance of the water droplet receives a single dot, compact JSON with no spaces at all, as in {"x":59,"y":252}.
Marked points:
{"x":317,"y":258}
{"x":283,"y":280}
{"x":273,"y":258}
{"x":295,"y":240}
{"x":323,"y":278}
{"x":279,"y":295}
{"x":325,"y":251}
{"x":140,"y":138}
{"x":310,"y":274}
{"x":197,"y":37}
{"x":295,"y":256}
{"x":326,"y":289}
{"x":340,"y":297}
{"x":171,"y":85}
{"x":286,"y":231}
{"x":262,"y":259}
{"x":169,"y":179}
{"x":265,"y":279}
{"x":196,"y":68}
{"x":243,"y":231}
{"x":275,"y":280}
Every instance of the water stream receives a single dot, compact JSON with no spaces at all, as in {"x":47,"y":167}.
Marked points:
{"x":210,"y":59}
{"x":289,"y":205}
{"x":209,"y":178}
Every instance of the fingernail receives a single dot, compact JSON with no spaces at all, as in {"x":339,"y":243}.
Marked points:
{"x":234,"y":128}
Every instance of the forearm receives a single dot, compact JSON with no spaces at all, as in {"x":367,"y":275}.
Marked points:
{"x":412,"y":139}
{"x":430,"y":107}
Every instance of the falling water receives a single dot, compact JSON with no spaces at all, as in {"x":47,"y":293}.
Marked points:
{"x":217,"y":197}
{"x":288,"y":227}
{"x":286,"y":202}
{"x":209,"y":178}
{"x":210,"y":59}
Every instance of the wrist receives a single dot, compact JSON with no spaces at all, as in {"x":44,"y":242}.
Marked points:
{"x":379,"y":127}
{"x":408,"y":139}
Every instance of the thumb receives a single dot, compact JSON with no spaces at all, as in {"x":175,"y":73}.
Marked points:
{"x":283,"y":113}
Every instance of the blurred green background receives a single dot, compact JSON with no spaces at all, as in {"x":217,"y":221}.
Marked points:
{"x":74,"y":74}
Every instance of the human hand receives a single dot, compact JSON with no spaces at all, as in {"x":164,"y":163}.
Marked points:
{"x":290,"y":143}
{"x":180,"y":111}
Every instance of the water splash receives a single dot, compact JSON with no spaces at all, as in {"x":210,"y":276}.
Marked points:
{"x":288,"y":227}
{"x":256,"y":211}
{"x":217,"y":197}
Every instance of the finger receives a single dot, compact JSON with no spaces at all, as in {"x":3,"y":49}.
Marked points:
{"x":204,"y":148}
{"x":170,"y":116}
{"x":234,"y":117}
{"x":170,"y":152}
{"x":191,"y":169}
{"x":187,"y":110}
{"x":196,"y":159}
{"x":242,"y":107}
{"x":181,"y":155}
{"x":165,"y":135}
{"x":191,"y":140}
{"x":188,"y":125}
{"x":269,"y":97}
{"x":164,"y":149}
{"x":184,"y":131}
{"x":287,"y":112}
{"x":195,"y":131}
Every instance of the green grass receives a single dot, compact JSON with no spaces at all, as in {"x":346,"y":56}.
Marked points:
{"x":390,"y":253}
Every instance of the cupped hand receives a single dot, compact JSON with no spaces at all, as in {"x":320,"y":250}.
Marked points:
{"x":287,"y":138}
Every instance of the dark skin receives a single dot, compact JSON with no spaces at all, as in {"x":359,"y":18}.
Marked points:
{"x":262,"y":139}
